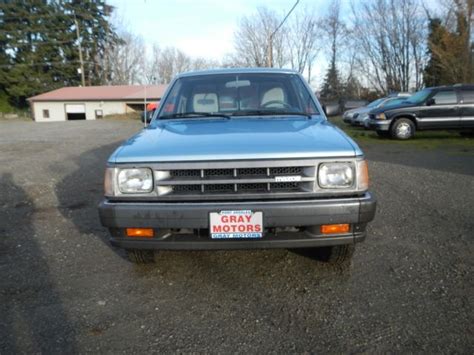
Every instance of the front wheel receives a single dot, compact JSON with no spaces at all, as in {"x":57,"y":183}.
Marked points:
{"x":338,"y":255}
{"x":138,"y":256}
{"x":403,"y":128}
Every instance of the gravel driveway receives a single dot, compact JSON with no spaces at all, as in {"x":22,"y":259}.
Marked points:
{"x":63,"y":288}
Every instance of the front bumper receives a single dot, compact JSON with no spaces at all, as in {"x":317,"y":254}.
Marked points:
{"x":347,"y":119}
{"x":379,"y":125}
{"x":170,"y":220}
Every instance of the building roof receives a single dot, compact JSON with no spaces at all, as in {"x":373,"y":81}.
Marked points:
{"x":103,"y":93}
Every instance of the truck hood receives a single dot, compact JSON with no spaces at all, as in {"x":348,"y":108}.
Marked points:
{"x":235,"y":139}
{"x":357,"y":110}
{"x":406,"y":105}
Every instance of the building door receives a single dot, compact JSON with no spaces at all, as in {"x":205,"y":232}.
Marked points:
{"x":76,"y":111}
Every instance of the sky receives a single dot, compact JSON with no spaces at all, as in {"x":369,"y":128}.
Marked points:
{"x":201,"y":28}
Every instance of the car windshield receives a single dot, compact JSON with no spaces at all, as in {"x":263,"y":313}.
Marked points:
{"x":419,"y":97}
{"x":246,"y":94}
{"x":375,"y":103}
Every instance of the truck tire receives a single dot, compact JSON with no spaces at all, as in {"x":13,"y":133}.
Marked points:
{"x":338,"y":255}
{"x":403,"y":129}
{"x":138,"y":256}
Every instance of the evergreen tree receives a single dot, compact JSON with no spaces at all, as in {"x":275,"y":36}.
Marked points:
{"x":332,"y":87}
{"x":449,"y":53}
{"x":433,"y":73}
{"x":40,"y":49}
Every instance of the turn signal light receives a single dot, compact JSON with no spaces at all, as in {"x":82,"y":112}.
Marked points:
{"x":335,"y":228}
{"x":140,"y":232}
{"x":363,"y":175}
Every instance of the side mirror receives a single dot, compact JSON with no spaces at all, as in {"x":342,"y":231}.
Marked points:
{"x":430,"y":102}
{"x":149,"y":116}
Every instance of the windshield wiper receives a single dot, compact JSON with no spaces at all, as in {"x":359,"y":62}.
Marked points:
{"x":270,"y":113}
{"x":194,"y":114}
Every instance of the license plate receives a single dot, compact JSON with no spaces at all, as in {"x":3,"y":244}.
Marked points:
{"x":236,"y":224}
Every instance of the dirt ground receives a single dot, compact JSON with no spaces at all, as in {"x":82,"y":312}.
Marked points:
{"x":64,"y":289}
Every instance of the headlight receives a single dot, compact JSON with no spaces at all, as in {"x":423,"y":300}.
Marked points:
{"x":380,"y":116}
{"x":135,"y":181}
{"x":336,"y":175}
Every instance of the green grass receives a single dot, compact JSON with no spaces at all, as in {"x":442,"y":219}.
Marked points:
{"x":425,"y":139}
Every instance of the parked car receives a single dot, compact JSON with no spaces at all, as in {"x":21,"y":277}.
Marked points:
{"x":352,"y":104}
{"x":393,"y":102}
{"x":443,"y":107}
{"x":361,"y":118}
{"x":359,"y":115}
{"x":236,"y":159}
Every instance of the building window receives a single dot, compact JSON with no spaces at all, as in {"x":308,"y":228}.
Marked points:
{"x":45,"y":113}
{"x":99,"y":114}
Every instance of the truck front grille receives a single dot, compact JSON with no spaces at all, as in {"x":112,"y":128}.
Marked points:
{"x":243,"y":181}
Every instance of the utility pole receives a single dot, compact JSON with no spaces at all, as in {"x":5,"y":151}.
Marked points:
{"x":270,"y":38}
{"x":83,"y":79}
{"x":145,"y":113}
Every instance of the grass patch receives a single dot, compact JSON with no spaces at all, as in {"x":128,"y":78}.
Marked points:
{"x":422,"y":139}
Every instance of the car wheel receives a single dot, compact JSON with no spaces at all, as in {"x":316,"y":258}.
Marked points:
{"x":383,"y":134}
{"x":141,"y":256}
{"x":338,"y":255}
{"x":403,"y":128}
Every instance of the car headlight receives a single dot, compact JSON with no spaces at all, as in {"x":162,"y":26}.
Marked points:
{"x":135,"y":181}
{"x":380,"y":116}
{"x":336,"y":175}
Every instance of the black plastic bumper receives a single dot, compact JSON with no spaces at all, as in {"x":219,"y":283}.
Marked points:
{"x":305,"y":214}
{"x":379,"y":125}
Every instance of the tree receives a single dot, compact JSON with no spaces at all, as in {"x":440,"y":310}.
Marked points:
{"x":335,"y":31}
{"x":303,"y":39}
{"x":390,"y":36}
{"x":39,"y":50}
{"x":96,"y":34}
{"x":434,"y":73}
{"x":125,"y":60}
{"x":31,"y":55}
{"x":251,"y":40}
{"x":450,"y":47}
{"x":332,"y":87}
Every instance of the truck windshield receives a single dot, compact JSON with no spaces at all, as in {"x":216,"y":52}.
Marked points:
{"x":419,"y":97}
{"x":225,"y":95}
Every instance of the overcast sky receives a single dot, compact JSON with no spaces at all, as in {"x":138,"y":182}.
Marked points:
{"x":201,"y":28}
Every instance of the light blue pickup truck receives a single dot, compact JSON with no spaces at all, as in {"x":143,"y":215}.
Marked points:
{"x":237,"y":159}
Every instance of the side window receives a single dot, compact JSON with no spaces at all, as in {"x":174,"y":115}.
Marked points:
{"x":468,"y":96}
{"x":445,"y":98}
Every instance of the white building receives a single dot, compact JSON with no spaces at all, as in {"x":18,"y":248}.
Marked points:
{"x":92,"y":102}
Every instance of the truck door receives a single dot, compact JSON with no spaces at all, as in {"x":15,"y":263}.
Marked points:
{"x":467,"y":108}
{"x":441,"y":112}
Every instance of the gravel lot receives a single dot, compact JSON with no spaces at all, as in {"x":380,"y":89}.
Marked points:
{"x":63,"y":288}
